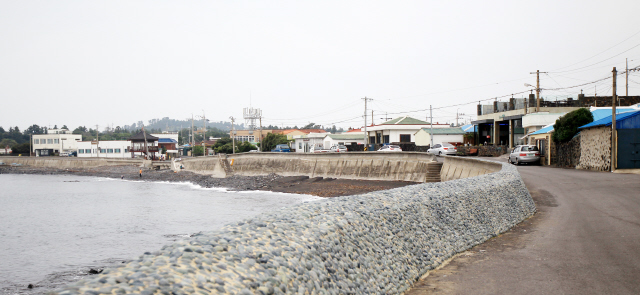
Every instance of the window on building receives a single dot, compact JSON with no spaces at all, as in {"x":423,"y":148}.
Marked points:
{"x":385,"y":139}
{"x":110,"y":151}
{"x":104,"y":151}
{"x":80,"y":151}
{"x":405,"y":137}
{"x":126,"y":150}
{"x":88,"y":151}
{"x":117,"y":151}
{"x":36,"y":141}
{"x":299,"y":145}
{"x":49,"y":141}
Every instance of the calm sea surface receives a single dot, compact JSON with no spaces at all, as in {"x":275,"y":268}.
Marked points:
{"x":54,"y":228}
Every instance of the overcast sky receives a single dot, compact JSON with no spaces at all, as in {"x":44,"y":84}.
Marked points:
{"x":119,"y":62}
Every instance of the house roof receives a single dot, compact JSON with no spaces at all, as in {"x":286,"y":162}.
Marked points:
{"x":346,"y":136}
{"x":167,"y":140}
{"x":603,"y":113}
{"x":608,"y":120}
{"x":355,"y":130}
{"x":545,"y":129}
{"x":444,"y":131}
{"x":140,"y":136}
{"x":406,"y":120}
{"x":469,"y":128}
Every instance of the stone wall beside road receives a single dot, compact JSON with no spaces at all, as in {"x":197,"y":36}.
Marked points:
{"x":595,"y":149}
{"x":375,"y":243}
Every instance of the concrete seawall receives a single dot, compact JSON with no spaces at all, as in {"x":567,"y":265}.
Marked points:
{"x":407,"y":166}
{"x":375,"y":243}
{"x":458,"y":168}
{"x":69,"y":162}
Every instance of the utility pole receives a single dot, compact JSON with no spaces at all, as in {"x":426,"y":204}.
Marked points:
{"x":260,"y":136}
{"x":613,"y":122}
{"x":233,"y":135}
{"x":626,"y":73}
{"x":538,"y":89}
{"x":193,"y":140}
{"x":366,"y":135}
{"x":431,"y":122}
{"x":204,"y":133}
{"x":371,"y":117}
{"x":98,"y":141}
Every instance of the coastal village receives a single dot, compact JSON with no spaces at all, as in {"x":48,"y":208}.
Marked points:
{"x":497,"y":129}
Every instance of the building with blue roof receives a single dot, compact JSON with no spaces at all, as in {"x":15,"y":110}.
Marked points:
{"x":595,"y":141}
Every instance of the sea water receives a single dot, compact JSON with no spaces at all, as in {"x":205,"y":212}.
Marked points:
{"x":55,"y":228}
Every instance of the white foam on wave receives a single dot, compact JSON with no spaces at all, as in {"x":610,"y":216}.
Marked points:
{"x":216,"y":189}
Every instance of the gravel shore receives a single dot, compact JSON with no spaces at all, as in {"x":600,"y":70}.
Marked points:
{"x":317,"y":186}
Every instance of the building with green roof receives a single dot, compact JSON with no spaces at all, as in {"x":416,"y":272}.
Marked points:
{"x":402,"y":129}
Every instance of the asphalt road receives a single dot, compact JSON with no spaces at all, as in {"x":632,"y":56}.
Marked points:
{"x":584,"y":239}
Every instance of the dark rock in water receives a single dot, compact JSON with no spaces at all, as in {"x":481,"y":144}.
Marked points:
{"x":30,"y":286}
{"x":95,"y":271}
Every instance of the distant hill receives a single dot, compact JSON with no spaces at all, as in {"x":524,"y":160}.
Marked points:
{"x":167,"y":124}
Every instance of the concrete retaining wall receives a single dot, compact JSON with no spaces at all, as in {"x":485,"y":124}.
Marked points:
{"x":458,"y":168}
{"x":69,"y":162}
{"x":406,"y":166}
{"x":375,"y":243}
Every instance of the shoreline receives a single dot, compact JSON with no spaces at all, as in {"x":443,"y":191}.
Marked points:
{"x":317,"y":186}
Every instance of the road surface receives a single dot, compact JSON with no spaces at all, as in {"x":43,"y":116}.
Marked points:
{"x":584,"y":239}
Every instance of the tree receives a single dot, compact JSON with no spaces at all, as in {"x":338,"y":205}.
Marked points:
{"x":311,"y":126}
{"x":34,"y":129}
{"x":55,"y":126}
{"x":197,"y":151}
{"x":65,"y":127}
{"x":245,"y":147}
{"x":7,"y":142}
{"x":2,"y":130}
{"x":22,"y":148}
{"x":80,"y":130}
{"x":271,"y":140}
{"x":164,"y":150}
{"x":566,"y":127}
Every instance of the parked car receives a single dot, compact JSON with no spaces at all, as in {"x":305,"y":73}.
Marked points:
{"x":338,"y":148}
{"x":390,"y":148}
{"x":443,"y":149}
{"x":281,"y":148}
{"x":525,"y":154}
{"x":318,"y":149}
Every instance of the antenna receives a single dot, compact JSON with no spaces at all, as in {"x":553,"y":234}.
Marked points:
{"x":251,"y":115}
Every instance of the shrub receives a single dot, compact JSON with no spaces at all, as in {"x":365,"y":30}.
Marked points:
{"x":566,"y":127}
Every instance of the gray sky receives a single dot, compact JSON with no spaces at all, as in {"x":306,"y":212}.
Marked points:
{"x":119,"y":62}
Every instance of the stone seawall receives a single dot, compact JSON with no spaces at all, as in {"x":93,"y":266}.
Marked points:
{"x":375,"y":243}
{"x":406,"y":166}
{"x":69,"y":162}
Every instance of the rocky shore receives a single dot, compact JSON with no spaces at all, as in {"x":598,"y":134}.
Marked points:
{"x":318,"y":186}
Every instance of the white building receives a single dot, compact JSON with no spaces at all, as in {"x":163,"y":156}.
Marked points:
{"x":56,"y":141}
{"x":303,"y":143}
{"x":343,"y":139}
{"x":107,"y":149}
{"x":536,"y":121}
{"x":440,"y":135}
{"x":401,"y":129}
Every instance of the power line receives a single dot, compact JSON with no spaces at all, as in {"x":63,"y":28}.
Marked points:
{"x":599,"y":61}
{"x":636,"y":33}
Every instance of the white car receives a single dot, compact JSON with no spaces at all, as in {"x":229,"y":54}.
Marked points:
{"x":443,"y":149}
{"x":318,"y":149}
{"x":338,"y":149}
{"x":390,"y":148}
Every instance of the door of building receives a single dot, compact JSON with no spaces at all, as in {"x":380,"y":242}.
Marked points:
{"x":628,"y":148}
